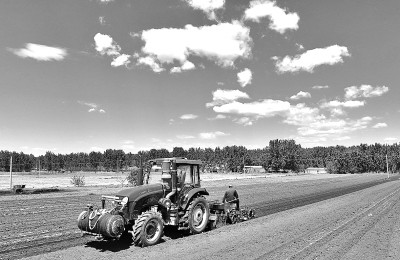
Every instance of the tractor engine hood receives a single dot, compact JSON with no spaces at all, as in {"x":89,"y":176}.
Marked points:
{"x":137,"y":192}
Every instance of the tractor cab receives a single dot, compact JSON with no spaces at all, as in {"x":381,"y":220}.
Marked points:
{"x":178,"y":175}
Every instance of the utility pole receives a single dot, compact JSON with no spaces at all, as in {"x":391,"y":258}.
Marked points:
{"x":387,"y":166}
{"x":11,"y":173}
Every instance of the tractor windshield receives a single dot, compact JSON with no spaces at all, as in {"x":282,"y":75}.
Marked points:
{"x":155,"y":175}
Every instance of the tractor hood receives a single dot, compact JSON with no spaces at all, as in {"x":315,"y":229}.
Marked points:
{"x":137,"y":192}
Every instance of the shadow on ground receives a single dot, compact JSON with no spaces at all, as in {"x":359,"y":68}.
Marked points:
{"x":126,"y":241}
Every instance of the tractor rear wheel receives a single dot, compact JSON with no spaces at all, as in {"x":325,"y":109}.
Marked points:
{"x":198,"y":214}
{"x":148,"y":229}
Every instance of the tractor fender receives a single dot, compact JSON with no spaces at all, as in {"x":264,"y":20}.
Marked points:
{"x":193,"y":193}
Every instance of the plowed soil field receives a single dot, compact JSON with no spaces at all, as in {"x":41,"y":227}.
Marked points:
{"x":33,"y":225}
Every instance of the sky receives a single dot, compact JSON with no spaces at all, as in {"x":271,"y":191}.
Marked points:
{"x":89,"y":75}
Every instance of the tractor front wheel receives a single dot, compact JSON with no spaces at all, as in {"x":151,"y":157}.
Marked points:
{"x":148,"y":229}
{"x":198,"y":212}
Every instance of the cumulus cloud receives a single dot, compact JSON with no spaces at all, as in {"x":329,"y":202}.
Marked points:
{"x":212,"y":135}
{"x":365,"y":91}
{"x":151,"y":62}
{"x":244,"y":77}
{"x":105,"y":45}
{"x":221,"y":96}
{"x":300,"y":95}
{"x":222,"y":43}
{"x":40,"y":52}
{"x":380,"y":125}
{"x":188,"y":117}
{"x":122,"y":60}
{"x":207,"y":6}
{"x":187,"y":65}
{"x":280,"y":19}
{"x":312,"y":58}
{"x":320,"y":87}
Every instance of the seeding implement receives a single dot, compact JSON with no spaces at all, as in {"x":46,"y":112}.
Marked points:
{"x":169,"y":194}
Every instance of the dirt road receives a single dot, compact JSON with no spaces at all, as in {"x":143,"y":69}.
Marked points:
{"x":330,"y":229}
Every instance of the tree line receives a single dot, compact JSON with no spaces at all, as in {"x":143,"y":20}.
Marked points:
{"x":280,"y":155}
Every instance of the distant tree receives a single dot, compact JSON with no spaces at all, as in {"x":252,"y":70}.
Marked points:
{"x":178,"y":152}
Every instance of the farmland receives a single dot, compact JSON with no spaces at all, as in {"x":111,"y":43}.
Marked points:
{"x":35,"y":224}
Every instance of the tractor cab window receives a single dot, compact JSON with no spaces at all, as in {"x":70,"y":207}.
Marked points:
{"x":183,"y":174}
{"x":195,"y":175}
{"x":154,"y":175}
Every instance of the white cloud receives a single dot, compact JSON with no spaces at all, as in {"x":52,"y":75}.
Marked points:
{"x":188,"y":117}
{"x":105,"y":45}
{"x":40,"y":52}
{"x":300,"y":95}
{"x":320,"y":87}
{"x":333,"y":126}
{"x":221,"y":96}
{"x":280,"y":19}
{"x":380,"y":125}
{"x":244,"y":77}
{"x":212,"y":135}
{"x":207,"y":6}
{"x":365,"y":91}
{"x":258,"y":109}
{"x":347,"y":104}
{"x":390,"y":139}
{"x":122,"y":60}
{"x":299,"y":46}
{"x":311,"y":59}
{"x":105,"y":1}
{"x":220,"y":83}
{"x":187,"y":65}
{"x":151,"y":62}
{"x":102,"y":21}
{"x":300,"y":114}
{"x":222,"y":43}
{"x":92,"y":107}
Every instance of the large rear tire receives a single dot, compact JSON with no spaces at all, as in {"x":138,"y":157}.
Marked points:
{"x":148,"y":229}
{"x":199,"y":213}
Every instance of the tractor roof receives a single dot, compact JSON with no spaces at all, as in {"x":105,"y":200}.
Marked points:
{"x":178,"y":160}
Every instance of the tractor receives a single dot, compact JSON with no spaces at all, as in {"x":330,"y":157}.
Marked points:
{"x":168,"y":194}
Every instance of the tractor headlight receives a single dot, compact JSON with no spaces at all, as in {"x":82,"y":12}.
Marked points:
{"x":124,"y":201}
